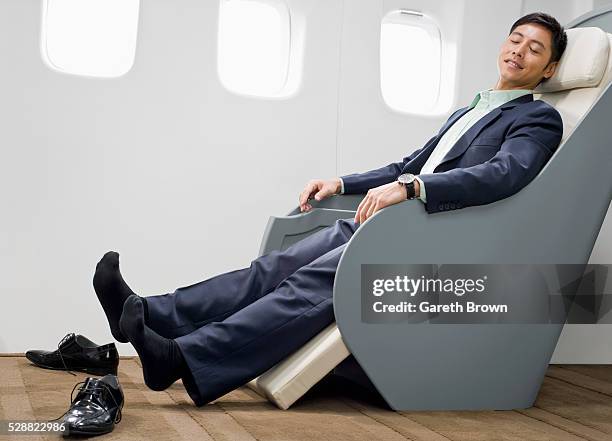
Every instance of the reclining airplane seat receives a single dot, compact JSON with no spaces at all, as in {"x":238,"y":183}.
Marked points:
{"x":555,"y":219}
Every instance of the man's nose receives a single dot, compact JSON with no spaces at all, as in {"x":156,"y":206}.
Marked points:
{"x":520,"y":50}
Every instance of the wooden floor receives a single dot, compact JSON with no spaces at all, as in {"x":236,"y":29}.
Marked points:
{"x":575,"y":403}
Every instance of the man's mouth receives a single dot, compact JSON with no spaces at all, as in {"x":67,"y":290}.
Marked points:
{"x":514,"y":64}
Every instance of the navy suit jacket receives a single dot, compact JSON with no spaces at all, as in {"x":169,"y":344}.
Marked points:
{"x":494,"y":159}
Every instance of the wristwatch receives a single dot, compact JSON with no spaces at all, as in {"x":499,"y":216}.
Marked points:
{"x":407,"y":179}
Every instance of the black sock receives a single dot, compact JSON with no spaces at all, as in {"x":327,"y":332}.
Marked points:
{"x":162,"y":361}
{"x":112,"y":291}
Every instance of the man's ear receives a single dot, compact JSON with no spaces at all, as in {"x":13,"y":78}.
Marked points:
{"x":549,"y":70}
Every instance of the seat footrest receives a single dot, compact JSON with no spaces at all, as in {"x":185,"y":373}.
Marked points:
{"x":287,"y":381}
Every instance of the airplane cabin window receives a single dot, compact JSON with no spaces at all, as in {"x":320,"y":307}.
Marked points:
{"x":410,"y":62}
{"x":90,"y":37}
{"x":253,"y":46}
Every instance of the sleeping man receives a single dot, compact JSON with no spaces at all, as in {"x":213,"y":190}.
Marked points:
{"x":218,"y":334}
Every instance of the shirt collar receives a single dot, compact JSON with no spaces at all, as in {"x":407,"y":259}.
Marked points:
{"x":491,"y":99}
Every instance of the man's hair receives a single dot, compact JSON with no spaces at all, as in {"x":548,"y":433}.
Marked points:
{"x":559,"y":37}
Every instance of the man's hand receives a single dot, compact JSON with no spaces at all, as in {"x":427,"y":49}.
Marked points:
{"x":319,"y":189}
{"x":378,"y":198}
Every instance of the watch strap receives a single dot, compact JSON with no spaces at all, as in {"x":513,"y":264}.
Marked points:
{"x":410,"y":190}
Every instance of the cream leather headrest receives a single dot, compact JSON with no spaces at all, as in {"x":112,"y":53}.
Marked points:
{"x":582,"y":64}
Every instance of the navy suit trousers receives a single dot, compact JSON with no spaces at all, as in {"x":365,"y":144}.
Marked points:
{"x":235,"y":326}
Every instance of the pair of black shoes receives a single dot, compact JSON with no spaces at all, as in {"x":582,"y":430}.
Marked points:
{"x":97,"y":406}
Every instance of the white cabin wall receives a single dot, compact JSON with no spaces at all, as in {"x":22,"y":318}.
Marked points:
{"x":564,"y":11}
{"x":162,"y":165}
{"x":179,"y":175}
{"x":601,"y":3}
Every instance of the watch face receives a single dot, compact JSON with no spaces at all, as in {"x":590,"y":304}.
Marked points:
{"x":406,"y":178}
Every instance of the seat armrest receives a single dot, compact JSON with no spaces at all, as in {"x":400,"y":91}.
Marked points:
{"x":348,"y":202}
{"x":282,"y":231}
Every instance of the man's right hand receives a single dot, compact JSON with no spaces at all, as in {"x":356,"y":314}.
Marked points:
{"x":318,"y":189}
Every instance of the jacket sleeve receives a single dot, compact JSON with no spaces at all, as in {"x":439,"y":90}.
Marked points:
{"x":530,"y":142}
{"x":362,"y":182}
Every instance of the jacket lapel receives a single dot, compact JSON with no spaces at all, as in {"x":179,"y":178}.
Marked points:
{"x":418,"y":162}
{"x":466,"y":139}
{"x":452,"y":121}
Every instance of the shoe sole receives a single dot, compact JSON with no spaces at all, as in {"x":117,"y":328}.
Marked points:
{"x":93,"y":371}
{"x":70,"y":432}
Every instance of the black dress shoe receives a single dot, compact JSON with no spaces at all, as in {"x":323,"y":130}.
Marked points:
{"x":96,"y":408}
{"x":77,"y":353}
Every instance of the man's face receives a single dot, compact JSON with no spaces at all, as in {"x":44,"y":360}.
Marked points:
{"x":524,"y":57}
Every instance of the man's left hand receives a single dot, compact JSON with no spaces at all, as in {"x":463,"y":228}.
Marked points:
{"x":378,"y":198}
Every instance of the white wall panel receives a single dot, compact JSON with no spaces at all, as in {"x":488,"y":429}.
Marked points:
{"x":180,"y":175}
{"x":163,"y":164}
{"x":564,"y":10}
